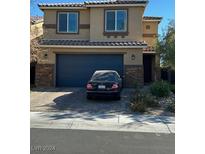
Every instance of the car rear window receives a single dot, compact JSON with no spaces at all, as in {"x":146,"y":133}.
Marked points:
{"x":104,"y":76}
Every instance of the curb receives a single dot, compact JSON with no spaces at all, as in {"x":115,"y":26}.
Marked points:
{"x":123,"y":122}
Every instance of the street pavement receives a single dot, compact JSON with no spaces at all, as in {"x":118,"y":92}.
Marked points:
{"x":66,"y":141}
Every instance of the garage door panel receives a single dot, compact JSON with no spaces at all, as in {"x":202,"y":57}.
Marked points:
{"x":74,"y":70}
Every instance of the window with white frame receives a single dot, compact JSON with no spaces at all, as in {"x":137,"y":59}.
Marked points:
{"x":116,"y":20}
{"x":68,"y":22}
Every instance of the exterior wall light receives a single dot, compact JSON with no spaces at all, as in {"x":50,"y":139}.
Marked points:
{"x":133,"y":57}
{"x":45,"y":55}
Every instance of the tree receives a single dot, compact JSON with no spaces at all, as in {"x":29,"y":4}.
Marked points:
{"x":166,"y":47}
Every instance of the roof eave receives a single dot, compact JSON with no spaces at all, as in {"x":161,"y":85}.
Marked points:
{"x":152,"y":19}
{"x":36,"y":22}
{"x":149,"y":52}
{"x":96,"y":47}
{"x":85,"y":6}
{"x":115,"y":5}
{"x":61,"y":8}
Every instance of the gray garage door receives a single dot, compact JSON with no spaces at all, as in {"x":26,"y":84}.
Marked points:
{"x":74,"y":70}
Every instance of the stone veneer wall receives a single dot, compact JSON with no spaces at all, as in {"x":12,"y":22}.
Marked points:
{"x":44,"y":75}
{"x":133,"y":74}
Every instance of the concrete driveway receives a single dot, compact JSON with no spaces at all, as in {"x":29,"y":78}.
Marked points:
{"x":74,"y":99}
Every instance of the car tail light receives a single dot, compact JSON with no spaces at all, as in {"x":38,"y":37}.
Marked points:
{"x":89,"y":86}
{"x":115,"y":86}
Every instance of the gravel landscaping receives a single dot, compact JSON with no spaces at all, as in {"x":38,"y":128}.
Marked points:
{"x":147,"y":103}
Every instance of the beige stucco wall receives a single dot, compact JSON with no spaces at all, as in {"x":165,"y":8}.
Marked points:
{"x":153,"y":27}
{"x":50,"y":17}
{"x":150,"y":40}
{"x":134,"y":24}
{"x":95,"y":17}
{"x":51,"y":54}
{"x":51,"y":34}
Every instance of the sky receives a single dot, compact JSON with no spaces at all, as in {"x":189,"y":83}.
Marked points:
{"x":162,"y":8}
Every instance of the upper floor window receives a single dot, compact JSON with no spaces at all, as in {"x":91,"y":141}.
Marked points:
{"x":116,"y":20}
{"x":68,"y":22}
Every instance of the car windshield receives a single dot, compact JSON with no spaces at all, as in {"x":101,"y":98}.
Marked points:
{"x":104,"y":76}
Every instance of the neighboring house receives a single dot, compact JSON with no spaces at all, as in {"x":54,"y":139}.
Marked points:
{"x":36,"y":32}
{"x":36,"y":27}
{"x":80,"y":38}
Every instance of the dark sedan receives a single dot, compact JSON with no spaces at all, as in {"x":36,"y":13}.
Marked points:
{"x":104,"y":83}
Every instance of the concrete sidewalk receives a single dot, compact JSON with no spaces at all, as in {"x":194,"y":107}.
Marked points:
{"x":102,"y":121}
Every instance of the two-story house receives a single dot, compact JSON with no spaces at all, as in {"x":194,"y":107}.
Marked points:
{"x":36,"y":27}
{"x":80,"y":38}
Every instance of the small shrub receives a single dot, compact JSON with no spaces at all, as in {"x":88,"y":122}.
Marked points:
{"x":138,"y":107}
{"x":160,"y":89}
{"x":150,"y":100}
{"x":136,"y":86}
{"x":171,"y":107}
{"x":137,"y":103}
{"x":138,"y":97}
{"x":172,"y":88}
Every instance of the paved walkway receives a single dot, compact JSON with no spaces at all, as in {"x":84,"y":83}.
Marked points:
{"x":103,"y":121}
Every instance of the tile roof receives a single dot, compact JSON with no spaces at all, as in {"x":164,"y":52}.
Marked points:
{"x":152,"y":18}
{"x":92,"y":43}
{"x":149,"y":49}
{"x":61,"y":4}
{"x":36,"y":19}
{"x":116,"y":2}
{"x":97,"y":2}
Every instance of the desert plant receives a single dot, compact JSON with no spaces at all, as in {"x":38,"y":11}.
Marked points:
{"x":172,"y":88}
{"x":137,"y":104}
{"x":171,"y":107}
{"x":150,"y":100}
{"x":136,"y":86}
{"x":160,"y":89}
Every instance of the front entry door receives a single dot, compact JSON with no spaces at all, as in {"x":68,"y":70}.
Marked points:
{"x":147,"y":62}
